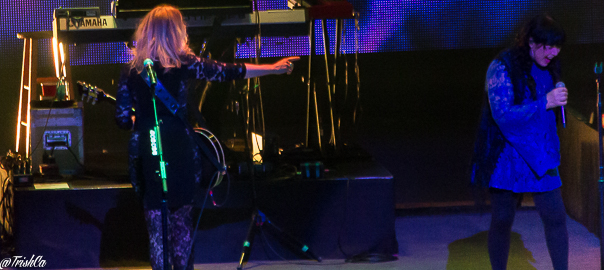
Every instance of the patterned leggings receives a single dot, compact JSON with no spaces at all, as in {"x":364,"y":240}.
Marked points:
{"x":553,"y":215}
{"x":180,"y":233}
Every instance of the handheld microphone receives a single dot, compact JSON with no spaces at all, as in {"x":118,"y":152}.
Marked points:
{"x":148,"y":63}
{"x":558,"y":85}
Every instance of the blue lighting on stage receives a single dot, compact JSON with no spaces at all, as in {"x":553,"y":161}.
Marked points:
{"x":384,"y":26}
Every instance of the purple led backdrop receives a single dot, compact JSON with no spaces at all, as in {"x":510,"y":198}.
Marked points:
{"x":384,"y":26}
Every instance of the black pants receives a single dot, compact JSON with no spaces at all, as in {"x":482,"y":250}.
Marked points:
{"x":553,"y":215}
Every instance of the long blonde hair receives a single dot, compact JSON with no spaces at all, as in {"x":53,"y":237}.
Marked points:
{"x":161,"y":36}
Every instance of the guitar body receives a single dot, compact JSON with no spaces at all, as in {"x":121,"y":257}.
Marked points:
{"x":209,"y":172}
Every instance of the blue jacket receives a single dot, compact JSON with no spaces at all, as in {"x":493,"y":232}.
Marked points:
{"x":517,"y":147}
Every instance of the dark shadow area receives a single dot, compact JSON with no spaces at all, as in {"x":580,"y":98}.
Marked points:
{"x":472,"y":254}
{"x":124,"y":239}
{"x":105,"y":145}
{"x":212,"y":218}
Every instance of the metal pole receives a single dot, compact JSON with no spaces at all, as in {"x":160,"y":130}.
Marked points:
{"x":156,"y":135}
{"x":598,"y":71}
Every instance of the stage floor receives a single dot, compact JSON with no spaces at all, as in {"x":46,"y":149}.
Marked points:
{"x":89,"y":223}
{"x":456,"y":241}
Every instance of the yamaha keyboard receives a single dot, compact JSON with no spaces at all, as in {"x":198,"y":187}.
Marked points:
{"x":85,"y":25}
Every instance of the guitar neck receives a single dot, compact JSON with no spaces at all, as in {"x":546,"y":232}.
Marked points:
{"x":108,"y":98}
{"x":94,"y":94}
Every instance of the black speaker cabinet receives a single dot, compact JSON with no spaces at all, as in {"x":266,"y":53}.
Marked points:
{"x":57,"y":134}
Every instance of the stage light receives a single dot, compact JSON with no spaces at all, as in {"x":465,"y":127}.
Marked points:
{"x":55,"y":53}
{"x":257,"y":147}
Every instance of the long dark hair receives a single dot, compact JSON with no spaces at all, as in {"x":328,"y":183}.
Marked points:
{"x":542,"y":29}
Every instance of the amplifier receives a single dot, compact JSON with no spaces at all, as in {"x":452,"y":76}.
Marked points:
{"x":58,"y":133}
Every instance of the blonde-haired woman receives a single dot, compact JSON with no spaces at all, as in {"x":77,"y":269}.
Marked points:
{"x":161,"y":36}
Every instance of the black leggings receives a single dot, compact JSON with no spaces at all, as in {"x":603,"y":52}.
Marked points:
{"x":180,"y":238}
{"x":553,"y":215}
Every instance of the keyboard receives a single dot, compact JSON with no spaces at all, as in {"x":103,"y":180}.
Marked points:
{"x":139,"y":8}
{"x":107,"y":28}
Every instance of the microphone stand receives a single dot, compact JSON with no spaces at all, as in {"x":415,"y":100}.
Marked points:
{"x":162,"y":174}
{"x":157,"y":150}
{"x":598,"y":71}
{"x":259,"y":219}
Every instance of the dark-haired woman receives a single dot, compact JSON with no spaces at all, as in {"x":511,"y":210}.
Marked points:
{"x":518,"y":149}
